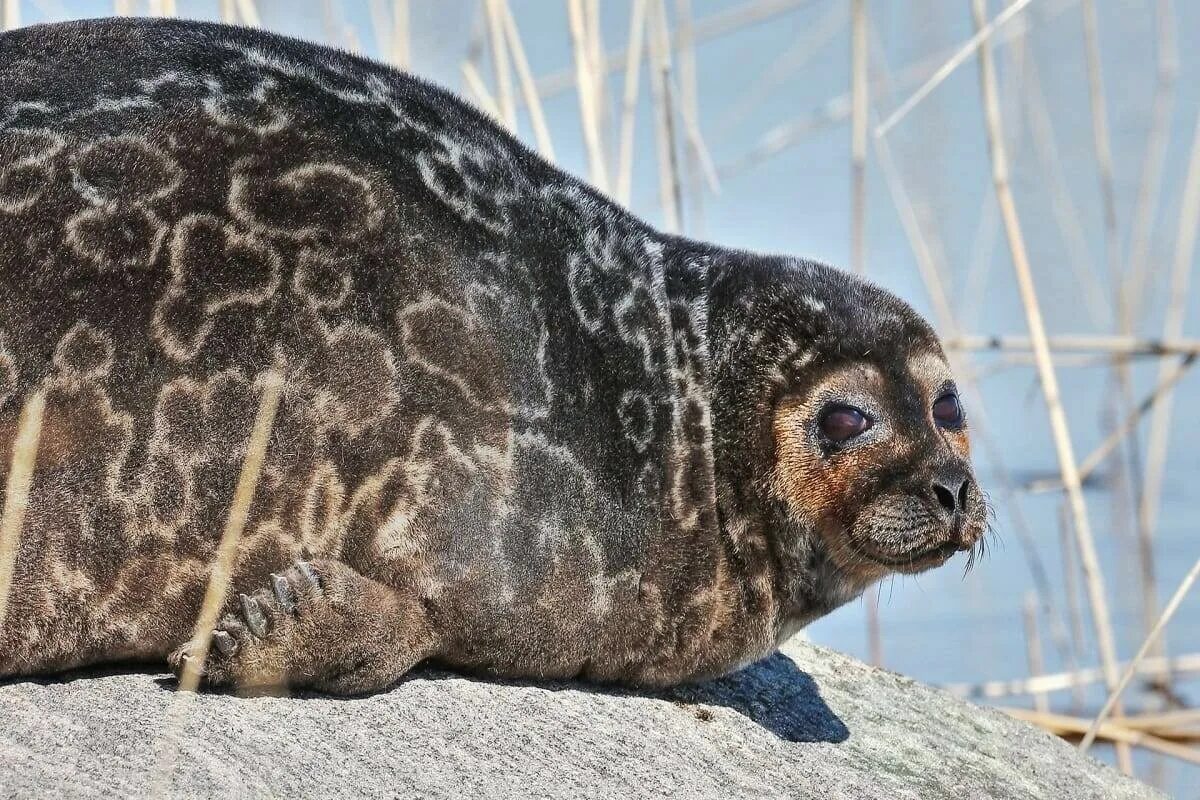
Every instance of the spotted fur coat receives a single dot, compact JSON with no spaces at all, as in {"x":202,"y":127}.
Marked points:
{"x":503,"y":393}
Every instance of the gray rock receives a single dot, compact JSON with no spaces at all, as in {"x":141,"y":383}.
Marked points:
{"x":805,"y":723}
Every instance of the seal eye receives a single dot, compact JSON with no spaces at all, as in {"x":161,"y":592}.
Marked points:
{"x":947,"y":412}
{"x":841,"y":423}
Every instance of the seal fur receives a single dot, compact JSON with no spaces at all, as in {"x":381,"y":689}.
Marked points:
{"x":521,"y":432}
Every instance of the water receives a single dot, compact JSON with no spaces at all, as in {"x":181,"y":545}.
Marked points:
{"x":943,"y":626}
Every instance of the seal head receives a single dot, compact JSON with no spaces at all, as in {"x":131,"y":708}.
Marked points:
{"x":842,"y":398}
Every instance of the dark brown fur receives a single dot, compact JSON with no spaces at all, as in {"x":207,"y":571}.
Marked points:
{"x":520,"y":432}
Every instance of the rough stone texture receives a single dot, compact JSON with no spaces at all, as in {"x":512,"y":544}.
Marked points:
{"x":806,"y":723}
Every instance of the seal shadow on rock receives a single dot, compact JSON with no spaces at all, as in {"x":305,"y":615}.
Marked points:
{"x":774,"y":694}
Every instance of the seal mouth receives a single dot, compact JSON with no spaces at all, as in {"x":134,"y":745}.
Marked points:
{"x":936,"y":555}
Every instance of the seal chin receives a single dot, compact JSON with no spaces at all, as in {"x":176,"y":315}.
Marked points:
{"x":876,"y":549}
{"x":915,"y":561}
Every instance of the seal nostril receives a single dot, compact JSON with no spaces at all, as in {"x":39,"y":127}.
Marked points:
{"x":962,"y":495}
{"x":944,"y":497}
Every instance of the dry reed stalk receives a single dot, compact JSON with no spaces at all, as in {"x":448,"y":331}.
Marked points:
{"x":498,"y":46}
{"x":1100,"y":139}
{"x":695,"y":140}
{"x":710,"y":27}
{"x":833,"y":111}
{"x":1074,"y":611}
{"x":874,"y":629}
{"x":786,"y":65}
{"x":1066,"y":215}
{"x":1063,"y":681}
{"x":585,"y":82}
{"x":228,"y":12}
{"x":1179,"y":719}
{"x":1033,"y":648}
{"x":629,"y":98}
{"x":239,"y":511}
{"x":1119,"y":735}
{"x":161,"y":8}
{"x":689,"y":107}
{"x":401,"y":50}
{"x":1114,"y":696}
{"x":742,"y":16}
{"x":982,"y":34}
{"x":858,"y":136}
{"x":249,"y":13}
{"x":1093,"y":460}
{"x":1160,"y":419}
{"x":537,"y":117}
{"x":926,"y":264}
{"x":595,"y":40}
{"x":380,"y":26}
{"x":12,"y":15}
{"x":672,"y":167}
{"x":1068,"y":361}
{"x":668,"y":175}
{"x":478,"y":89}
{"x":1049,"y":381}
{"x":1063,"y":643}
{"x":931,"y":275}
{"x":1127,"y":481}
{"x":219,"y":581}
{"x":1150,"y":185}
{"x":1118,"y":345}
{"x":16,"y":492}
{"x":781,"y":137}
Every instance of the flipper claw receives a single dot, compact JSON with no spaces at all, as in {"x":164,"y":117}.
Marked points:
{"x":283,"y":593}
{"x":256,"y":621}
{"x":225,"y":643}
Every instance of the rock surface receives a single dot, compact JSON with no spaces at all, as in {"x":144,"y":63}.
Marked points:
{"x":808,"y":722}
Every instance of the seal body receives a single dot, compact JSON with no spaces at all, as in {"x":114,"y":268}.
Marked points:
{"x":520,"y":431}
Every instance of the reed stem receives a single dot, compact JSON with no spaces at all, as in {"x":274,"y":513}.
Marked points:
{"x":1089,"y":561}
{"x":537,"y":117}
{"x":1114,"y":697}
{"x":585,"y":82}
{"x":668,"y":175}
{"x":982,"y":34}
{"x":221,"y":572}
{"x":629,"y":99}
{"x":1033,"y":648}
{"x":858,"y":136}
{"x":16,"y":492}
{"x":498,"y":45}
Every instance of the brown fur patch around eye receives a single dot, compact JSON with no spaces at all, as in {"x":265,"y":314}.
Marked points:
{"x":827,"y":493}
{"x":824,"y":494}
{"x":931,"y":372}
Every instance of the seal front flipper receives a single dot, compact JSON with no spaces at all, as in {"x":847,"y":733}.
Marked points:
{"x":320,"y":625}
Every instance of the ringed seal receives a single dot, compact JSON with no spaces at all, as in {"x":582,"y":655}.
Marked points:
{"x":520,"y":432}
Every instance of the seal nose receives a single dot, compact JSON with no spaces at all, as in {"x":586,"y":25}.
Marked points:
{"x":952,"y":492}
